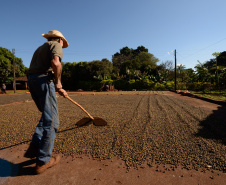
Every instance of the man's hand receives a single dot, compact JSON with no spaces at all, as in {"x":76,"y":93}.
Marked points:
{"x":62,"y":92}
{"x":58,"y":86}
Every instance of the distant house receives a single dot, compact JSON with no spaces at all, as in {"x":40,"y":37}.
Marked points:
{"x":21,"y":83}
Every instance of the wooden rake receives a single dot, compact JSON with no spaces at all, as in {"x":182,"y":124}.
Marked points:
{"x":97,"y":121}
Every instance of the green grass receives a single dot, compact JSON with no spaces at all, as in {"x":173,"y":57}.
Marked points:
{"x":215,"y":95}
{"x":17,"y":91}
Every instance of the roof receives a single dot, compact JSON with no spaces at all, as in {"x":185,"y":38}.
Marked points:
{"x":22,"y":78}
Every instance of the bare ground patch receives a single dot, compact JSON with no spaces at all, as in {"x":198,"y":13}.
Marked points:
{"x":161,"y":131}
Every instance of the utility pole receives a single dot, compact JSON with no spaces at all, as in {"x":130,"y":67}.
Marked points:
{"x":14,"y":76}
{"x":175,"y":53}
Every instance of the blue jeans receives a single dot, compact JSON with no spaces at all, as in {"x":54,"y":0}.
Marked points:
{"x":43,"y":93}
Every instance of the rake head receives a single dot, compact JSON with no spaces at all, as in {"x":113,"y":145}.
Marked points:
{"x":97,"y":121}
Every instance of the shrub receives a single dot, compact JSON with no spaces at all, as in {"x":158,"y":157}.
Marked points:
{"x":107,"y":82}
{"x":121,"y":84}
{"x":89,"y":85}
{"x":182,"y":86}
{"x":196,"y":86}
{"x":170,"y":85}
{"x":160,"y":87}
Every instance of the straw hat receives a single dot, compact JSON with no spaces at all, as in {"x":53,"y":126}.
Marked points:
{"x":55,"y":33}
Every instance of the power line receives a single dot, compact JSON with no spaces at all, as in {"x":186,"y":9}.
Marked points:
{"x":203,"y":48}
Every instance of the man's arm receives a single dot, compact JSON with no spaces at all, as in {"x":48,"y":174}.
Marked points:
{"x":56,"y":66}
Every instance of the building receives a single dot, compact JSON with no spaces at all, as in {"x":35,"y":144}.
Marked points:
{"x":21,"y":83}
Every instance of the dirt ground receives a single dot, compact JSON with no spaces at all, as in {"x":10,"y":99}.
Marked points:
{"x":83,"y":170}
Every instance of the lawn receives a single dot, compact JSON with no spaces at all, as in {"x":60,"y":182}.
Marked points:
{"x":215,"y":95}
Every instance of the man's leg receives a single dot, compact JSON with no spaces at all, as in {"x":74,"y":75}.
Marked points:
{"x":49,"y":125}
{"x":43,"y":93}
{"x":34,"y":83}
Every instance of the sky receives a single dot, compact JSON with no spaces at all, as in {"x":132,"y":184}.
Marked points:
{"x":97,"y":29}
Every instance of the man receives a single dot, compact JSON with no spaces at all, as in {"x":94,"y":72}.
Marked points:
{"x":3,"y":89}
{"x":44,"y":79}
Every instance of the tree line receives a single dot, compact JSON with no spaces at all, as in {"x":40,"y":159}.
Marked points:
{"x":6,"y":66}
{"x":129,"y":69}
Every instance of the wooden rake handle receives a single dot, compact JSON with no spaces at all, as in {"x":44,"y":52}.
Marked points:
{"x":91,"y":117}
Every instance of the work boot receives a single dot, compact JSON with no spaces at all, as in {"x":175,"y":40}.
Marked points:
{"x":53,"y":161}
{"x":31,"y":151}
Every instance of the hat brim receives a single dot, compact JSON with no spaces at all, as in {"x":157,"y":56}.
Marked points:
{"x":65,"y":42}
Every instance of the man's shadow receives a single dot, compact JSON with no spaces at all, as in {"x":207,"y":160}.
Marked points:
{"x":8,"y":169}
{"x":214,"y":126}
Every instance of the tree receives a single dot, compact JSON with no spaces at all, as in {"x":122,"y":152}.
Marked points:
{"x":73,"y":73}
{"x":119,"y":58}
{"x":100,"y":69}
{"x":5,"y":70}
{"x":221,"y":59}
{"x":126,"y":54}
{"x":202,"y":72}
{"x":139,"y":50}
{"x":6,"y":66}
{"x":210,"y":65}
{"x":166,"y":71}
{"x":147,"y":59}
{"x":126,"y":51}
{"x":189,"y":75}
{"x":181,"y":73}
{"x":129,"y":61}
